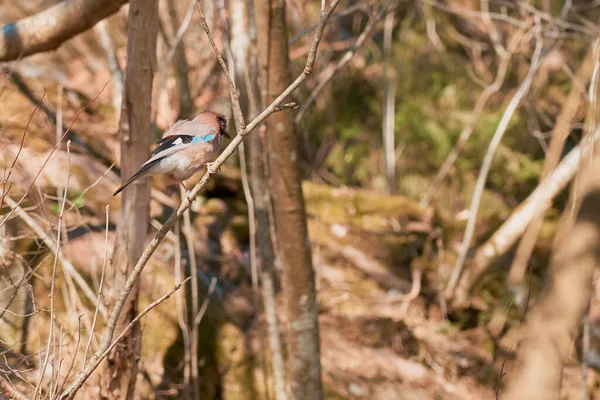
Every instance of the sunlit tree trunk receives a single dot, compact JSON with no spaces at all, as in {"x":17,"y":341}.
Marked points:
{"x":293,"y":245}
{"x":119,"y":375}
{"x":243,"y":45}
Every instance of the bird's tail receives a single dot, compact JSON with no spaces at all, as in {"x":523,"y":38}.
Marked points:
{"x":133,"y":178}
{"x":143,"y":171}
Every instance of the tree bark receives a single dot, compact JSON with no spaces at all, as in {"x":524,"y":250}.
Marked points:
{"x":119,"y":375}
{"x":48,"y":29}
{"x":288,"y":202}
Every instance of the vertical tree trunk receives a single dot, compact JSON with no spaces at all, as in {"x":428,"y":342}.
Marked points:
{"x":288,"y":202}
{"x":243,"y":45}
{"x":119,"y":375}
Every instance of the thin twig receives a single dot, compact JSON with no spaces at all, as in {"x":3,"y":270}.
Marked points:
{"x":12,"y":167}
{"x":74,"y":353}
{"x":91,"y":333}
{"x":134,"y":321}
{"x":53,"y":282}
{"x":233,"y":92}
{"x":330,"y":73}
{"x":211,"y":290}
{"x":474,"y":118}
{"x":66,"y":264}
{"x":6,"y":218}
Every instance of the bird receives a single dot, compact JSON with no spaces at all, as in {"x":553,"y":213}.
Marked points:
{"x":186,"y":148}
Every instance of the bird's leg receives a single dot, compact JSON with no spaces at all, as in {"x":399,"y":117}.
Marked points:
{"x":211,"y":169}
{"x":187,"y":192}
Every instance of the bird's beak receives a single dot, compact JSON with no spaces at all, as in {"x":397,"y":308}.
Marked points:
{"x":226,"y":134}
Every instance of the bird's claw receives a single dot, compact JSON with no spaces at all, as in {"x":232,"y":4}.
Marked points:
{"x":210,"y":168}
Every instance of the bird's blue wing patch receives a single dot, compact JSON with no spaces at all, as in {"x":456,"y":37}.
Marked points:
{"x":205,"y":139}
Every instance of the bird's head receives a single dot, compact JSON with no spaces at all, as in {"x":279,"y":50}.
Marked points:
{"x":222,"y":120}
{"x":217,"y":121}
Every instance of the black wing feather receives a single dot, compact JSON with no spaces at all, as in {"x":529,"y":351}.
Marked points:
{"x":168,"y":141}
{"x":163,"y":144}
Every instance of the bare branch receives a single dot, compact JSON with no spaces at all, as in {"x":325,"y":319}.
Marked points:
{"x":128,"y":328}
{"x":480,"y":105}
{"x":53,"y":282}
{"x":50,"y":28}
{"x":10,"y":391}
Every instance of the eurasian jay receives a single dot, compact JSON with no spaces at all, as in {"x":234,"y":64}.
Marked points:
{"x":186,"y":148}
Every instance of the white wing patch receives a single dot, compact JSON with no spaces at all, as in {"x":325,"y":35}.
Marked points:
{"x":177,"y":141}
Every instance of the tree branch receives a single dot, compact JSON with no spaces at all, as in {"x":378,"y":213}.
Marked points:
{"x":9,"y":390}
{"x":48,"y":29}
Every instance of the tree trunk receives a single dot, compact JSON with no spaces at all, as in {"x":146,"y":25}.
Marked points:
{"x":119,"y":375}
{"x":288,"y":202}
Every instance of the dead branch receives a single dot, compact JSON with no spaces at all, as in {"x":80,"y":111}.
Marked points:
{"x":487,"y":161}
{"x":368,"y":265}
{"x":10,"y":391}
{"x":70,"y":392}
{"x":48,"y":29}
